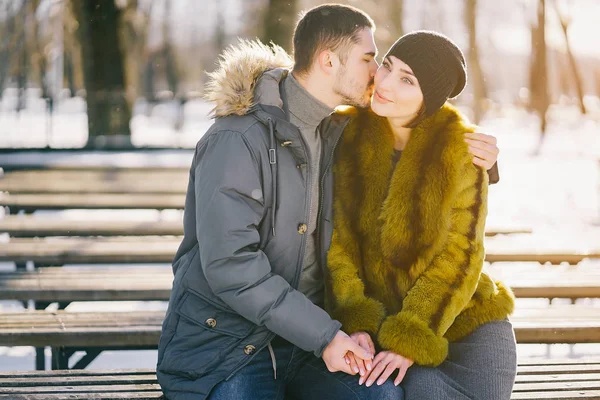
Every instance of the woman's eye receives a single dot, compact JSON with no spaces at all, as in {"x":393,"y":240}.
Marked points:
{"x":406,"y":80}
{"x":386,"y":65}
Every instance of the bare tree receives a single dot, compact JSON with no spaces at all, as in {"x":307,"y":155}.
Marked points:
{"x":280,"y":18}
{"x":565,"y":21}
{"x":103,"y":63}
{"x":476,"y":72}
{"x":7,"y":45}
{"x":396,"y":13}
{"x":538,"y":73}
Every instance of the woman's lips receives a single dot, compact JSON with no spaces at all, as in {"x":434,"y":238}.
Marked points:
{"x":381,"y":99}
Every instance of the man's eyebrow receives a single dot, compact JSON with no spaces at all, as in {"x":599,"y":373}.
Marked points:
{"x":372,"y":54}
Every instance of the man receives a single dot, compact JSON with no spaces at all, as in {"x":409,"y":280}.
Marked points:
{"x":245,"y":317}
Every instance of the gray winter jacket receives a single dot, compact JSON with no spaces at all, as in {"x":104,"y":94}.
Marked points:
{"x":247,"y":204}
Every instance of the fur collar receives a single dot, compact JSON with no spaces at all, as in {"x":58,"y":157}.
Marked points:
{"x":231,"y":86}
{"x":407,"y":204}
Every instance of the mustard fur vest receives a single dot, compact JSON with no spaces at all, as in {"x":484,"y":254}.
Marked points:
{"x":407,"y":251}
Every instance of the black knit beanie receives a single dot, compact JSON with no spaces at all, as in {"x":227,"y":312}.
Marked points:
{"x":438,"y":64}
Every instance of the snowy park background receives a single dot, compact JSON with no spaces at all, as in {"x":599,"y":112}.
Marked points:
{"x":550,"y":182}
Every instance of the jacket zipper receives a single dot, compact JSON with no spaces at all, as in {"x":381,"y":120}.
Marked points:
{"x":300,"y":262}
{"x":323,"y":187}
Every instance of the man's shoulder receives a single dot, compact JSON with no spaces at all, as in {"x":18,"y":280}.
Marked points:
{"x":247,"y":126}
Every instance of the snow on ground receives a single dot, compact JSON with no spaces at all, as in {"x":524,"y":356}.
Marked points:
{"x":557,"y":192}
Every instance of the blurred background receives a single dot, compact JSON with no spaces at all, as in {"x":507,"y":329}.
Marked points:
{"x":121,"y":81}
{"x":134,"y":69}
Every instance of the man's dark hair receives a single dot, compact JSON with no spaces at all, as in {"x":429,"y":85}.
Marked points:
{"x":332,"y":27}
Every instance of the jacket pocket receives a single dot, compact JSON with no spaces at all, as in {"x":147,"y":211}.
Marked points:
{"x":204,"y":337}
{"x":201,"y":311}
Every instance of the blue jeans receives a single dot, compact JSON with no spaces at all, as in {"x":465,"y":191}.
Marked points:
{"x":300,"y":376}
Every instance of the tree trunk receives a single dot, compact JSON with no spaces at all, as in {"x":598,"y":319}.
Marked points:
{"x":7,"y":40}
{"x":280,"y":20}
{"x":476,"y":72}
{"x":396,"y":8}
{"x":23,"y":70}
{"x":168,"y":54}
{"x":103,"y":64}
{"x":564,"y":24}
{"x":538,"y":74}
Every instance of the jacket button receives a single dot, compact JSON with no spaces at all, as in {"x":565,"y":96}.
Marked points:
{"x":302,"y":228}
{"x":211,"y":322}
{"x":249,"y":349}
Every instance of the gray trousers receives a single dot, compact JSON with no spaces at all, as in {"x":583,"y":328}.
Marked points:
{"x":481,"y":366}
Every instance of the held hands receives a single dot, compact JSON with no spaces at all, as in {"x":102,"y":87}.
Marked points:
{"x":381,"y":368}
{"x":484,"y":149}
{"x":335,"y":352}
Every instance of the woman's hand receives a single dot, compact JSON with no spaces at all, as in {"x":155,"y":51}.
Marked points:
{"x":358,"y":365}
{"x":484,"y":149}
{"x":384,"y":364}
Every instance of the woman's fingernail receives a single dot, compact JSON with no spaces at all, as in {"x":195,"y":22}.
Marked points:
{"x":369,"y":383}
{"x":369,"y":367}
{"x":361,"y":380}
{"x":356,"y":369}
{"x":380,"y":382}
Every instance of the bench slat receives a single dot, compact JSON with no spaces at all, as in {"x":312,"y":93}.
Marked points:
{"x":577,"y":377}
{"x":79,"y":384}
{"x":96,"y":183}
{"x":54,"y":380}
{"x":81,"y":389}
{"x":162,"y":250}
{"x":154,"y":283}
{"x":562,"y":395}
{"x":31,"y":226}
{"x":142,"y":328}
{"x":92,"y":201}
{"x":106,"y":395}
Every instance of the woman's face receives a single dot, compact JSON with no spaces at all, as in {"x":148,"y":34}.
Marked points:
{"x":397,"y":91}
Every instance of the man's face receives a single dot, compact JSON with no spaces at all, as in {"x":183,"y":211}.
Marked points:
{"x":354,"y":78}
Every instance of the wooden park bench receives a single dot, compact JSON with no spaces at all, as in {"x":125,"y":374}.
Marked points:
{"x":139,"y":283}
{"x":557,"y":379}
{"x":536,"y":380}
{"x":58,"y":251}
{"x":90,"y":201}
{"x":530,"y":280}
{"x":32,"y":226}
{"x":86,"y":181}
{"x":98,"y":283}
{"x":66,"y":332}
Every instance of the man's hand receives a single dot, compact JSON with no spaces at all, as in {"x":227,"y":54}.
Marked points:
{"x":358,"y":365}
{"x":484,"y":149}
{"x":334,"y":353}
{"x":384,"y":364}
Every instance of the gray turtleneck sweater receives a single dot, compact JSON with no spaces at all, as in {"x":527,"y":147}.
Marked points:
{"x":306,"y":112}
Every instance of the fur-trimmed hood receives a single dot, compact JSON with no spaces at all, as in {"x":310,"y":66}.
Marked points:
{"x":232,"y":86}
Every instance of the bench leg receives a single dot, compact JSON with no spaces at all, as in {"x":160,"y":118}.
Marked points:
{"x":40,"y":358}
{"x":60,"y":357}
{"x":90,"y":355}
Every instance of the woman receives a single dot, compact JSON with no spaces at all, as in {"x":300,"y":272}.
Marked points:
{"x":405,"y":264}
